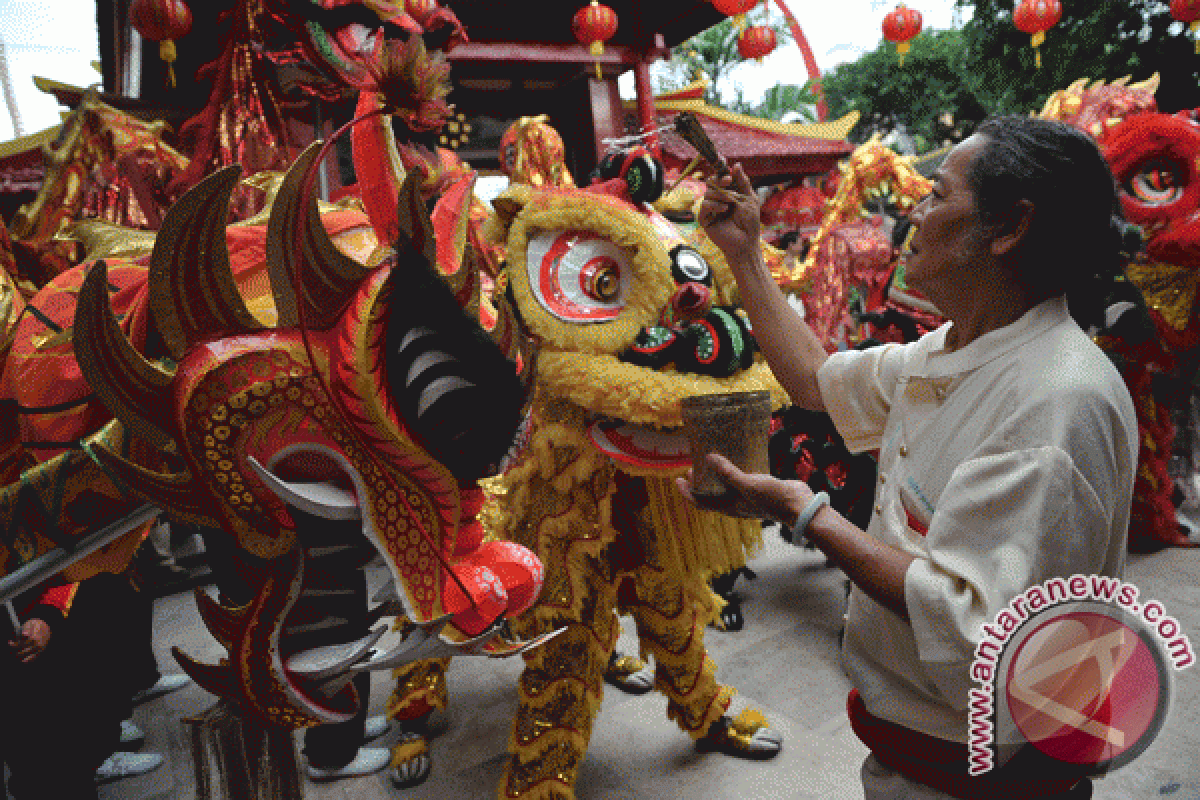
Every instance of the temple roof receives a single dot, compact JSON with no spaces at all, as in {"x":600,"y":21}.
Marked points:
{"x":21,"y":163}
{"x":766,"y":149}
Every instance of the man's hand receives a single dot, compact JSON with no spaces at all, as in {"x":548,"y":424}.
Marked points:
{"x":35,"y":635}
{"x":729,"y":214}
{"x":751,"y":494}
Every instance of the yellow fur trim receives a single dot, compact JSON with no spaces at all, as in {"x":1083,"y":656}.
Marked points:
{"x":749,"y":722}
{"x":407,"y":751}
{"x":706,"y":543}
{"x":603,"y":385}
{"x":651,"y":287}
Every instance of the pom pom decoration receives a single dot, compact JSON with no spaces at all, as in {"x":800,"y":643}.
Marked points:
{"x":593,"y":26}
{"x":421,"y":10}
{"x":901,"y":26}
{"x":162,"y":21}
{"x":1035,"y":17}
{"x":756,"y":41}
{"x":1188,"y":12}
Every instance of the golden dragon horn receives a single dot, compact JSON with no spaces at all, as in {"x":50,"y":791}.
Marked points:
{"x":192,"y":291}
{"x":325,"y":276}
{"x":136,"y":391}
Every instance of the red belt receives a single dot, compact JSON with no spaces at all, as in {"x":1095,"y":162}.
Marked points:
{"x":942,"y":764}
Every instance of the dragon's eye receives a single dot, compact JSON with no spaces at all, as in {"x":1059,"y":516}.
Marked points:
{"x":1156,"y":184}
{"x":688,"y":266}
{"x":578,"y":276}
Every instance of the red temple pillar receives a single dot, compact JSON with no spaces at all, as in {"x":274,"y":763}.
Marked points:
{"x":608,"y":114}
{"x":647,"y":118}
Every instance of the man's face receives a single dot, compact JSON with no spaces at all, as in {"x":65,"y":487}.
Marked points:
{"x":948,"y":231}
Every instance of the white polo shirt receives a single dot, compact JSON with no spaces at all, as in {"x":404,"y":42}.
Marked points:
{"x":1017,"y":453}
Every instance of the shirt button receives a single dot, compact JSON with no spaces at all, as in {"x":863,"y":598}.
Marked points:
{"x":903,"y":451}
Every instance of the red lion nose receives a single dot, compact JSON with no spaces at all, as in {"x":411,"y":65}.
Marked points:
{"x":691,"y":301}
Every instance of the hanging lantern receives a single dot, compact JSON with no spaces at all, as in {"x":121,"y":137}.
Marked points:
{"x":421,"y":10}
{"x":1188,"y":12}
{"x":1035,"y":17}
{"x":593,"y":26}
{"x":756,"y":41}
{"x":901,"y":26}
{"x":736,"y":9}
{"x":162,"y":21}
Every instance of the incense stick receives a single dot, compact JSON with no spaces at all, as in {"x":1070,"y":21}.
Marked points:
{"x":690,"y":130}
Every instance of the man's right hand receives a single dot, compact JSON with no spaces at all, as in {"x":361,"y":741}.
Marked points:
{"x":729,"y":215}
{"x":35,"y":635}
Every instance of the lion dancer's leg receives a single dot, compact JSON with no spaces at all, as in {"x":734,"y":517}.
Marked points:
{"x":670,"y":620}
{"x":672,"y":605}
{"x":671,"y":617}
{"x":420,"y":690}
{"x":560,"y":692}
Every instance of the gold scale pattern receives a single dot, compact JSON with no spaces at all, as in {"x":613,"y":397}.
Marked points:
{"x":243,"y":390}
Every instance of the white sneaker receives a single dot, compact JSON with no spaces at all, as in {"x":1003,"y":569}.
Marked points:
{"x":127,"y":765}
{"x":132,"y":737}
{"x":368,"y":760}
{"x":376,"y":726}
{"x":165,"y":685}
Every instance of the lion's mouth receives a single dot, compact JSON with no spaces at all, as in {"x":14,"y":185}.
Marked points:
{"x":641,"y":446}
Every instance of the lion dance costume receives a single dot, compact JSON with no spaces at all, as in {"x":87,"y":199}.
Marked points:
{"x":630,"y":319}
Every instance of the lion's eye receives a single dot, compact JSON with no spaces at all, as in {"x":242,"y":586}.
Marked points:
{"x":688,"y":266}
{"x":1156,"y":184}
{"x":600,"y":279}
{"x":578,"y":276}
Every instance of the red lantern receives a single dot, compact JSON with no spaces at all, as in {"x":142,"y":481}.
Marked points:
{"x":901,"y":26}
{"x":1035,"y":17}
{"x":756,"y":41}
{"x":593,"y":26}
{"x":736,"y":9}
{"x":162,"y":21}
{"x":1188,"y":12}
{"x":421,"y":10}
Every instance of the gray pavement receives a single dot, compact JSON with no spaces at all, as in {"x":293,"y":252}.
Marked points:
{"x":785,"y":663}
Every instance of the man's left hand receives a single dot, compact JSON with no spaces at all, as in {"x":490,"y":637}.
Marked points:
{"x":752,"y":494}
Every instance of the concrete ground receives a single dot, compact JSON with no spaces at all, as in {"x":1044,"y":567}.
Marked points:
{"x":785,"y":662}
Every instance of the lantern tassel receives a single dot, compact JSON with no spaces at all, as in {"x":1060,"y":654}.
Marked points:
{"x":1038,"y":39}
{"x":1195,"y":27}
{"x":902,"y":49}
{"x":166,"y":51}
{"x":597,"y":49}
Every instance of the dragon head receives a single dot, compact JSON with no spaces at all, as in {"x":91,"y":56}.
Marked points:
{"x":1154,"y":158}
{"x":629,"y":316}
{"x":363,"y":402}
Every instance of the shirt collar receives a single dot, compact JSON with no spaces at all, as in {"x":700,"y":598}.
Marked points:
{"x":1038,"y":320}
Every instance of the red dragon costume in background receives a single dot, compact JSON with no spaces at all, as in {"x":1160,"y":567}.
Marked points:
{"x":1154,"y":159}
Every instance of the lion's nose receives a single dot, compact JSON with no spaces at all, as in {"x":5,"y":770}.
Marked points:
{"x":691,"y":301}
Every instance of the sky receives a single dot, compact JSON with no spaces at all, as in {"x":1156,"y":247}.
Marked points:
{"x":57,"y":39}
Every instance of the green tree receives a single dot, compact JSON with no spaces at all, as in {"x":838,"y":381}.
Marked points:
{"x":935,"y":86}
{"x":1095,"y":39}
{"x":713,"y":53}
{"x":786,"y":97}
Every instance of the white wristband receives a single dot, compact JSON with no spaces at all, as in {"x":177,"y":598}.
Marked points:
{"x":818,"y":501}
